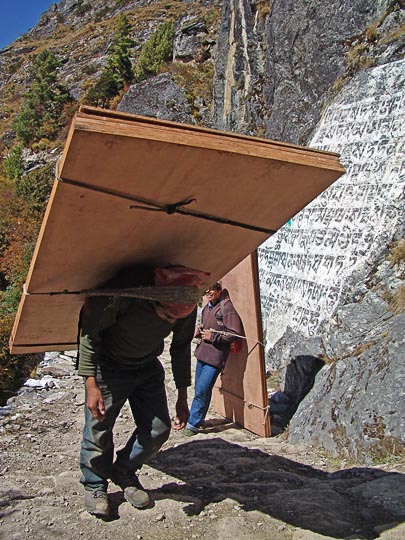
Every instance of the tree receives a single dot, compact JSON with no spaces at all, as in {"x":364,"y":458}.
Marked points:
{"x":43,"y":103}
{"x":155,"y":51}
{"x":119,"y":60}
{"x":117,"y":73}
{"x":102,"y":91}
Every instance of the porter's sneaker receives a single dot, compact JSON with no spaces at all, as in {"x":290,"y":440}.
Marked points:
{"x":131,"y":486}
{"x":189,"y":432}
{"x":96,"y":502}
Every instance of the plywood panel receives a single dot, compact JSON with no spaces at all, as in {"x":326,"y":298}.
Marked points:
{"x":240,"y":393}
{"x":108,"y":208}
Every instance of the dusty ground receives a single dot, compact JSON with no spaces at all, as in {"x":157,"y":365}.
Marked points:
{"x":225,"y":484}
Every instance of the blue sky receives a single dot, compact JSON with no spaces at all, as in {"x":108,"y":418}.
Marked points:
{"x":18,"y":16}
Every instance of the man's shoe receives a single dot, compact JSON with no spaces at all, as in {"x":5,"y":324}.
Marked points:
{"x":96,"y":502}
{"x":131,"y":486}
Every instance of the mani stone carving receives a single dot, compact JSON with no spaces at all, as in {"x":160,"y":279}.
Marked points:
{"x":332,"y":243}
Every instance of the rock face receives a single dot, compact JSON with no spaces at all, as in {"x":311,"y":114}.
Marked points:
{"x":304,"y":60}
{"x":331,"y":246}
{"x":316,"y":273}
{"x":239,"y":69}
{"x":160,"y":97}
{"x":355,"y":407}
{"x":191,"y":41}
{"x":279,"y":62}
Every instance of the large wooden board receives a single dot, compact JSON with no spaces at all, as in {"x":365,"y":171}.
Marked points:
{"x":240,"y":393}
{"x":113,"y":162}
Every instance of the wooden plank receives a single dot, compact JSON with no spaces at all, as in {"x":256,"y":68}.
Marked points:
{"x":109,"y":208}
{"x":130,"y":119}
{"x":42,"y":323}
{"x":240,"y":394}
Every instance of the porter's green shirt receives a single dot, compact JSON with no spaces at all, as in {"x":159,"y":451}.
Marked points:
{"x":124,"y":333}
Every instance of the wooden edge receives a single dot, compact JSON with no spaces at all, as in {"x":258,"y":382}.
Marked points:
{"x":259,"y":323}
{"x":211,"y":142}
{"x":175,"y":133}
{"x":107,"y":114}
{"x":242,"y":400}
{"x":40,"y":348}
{"x":41,"y":233}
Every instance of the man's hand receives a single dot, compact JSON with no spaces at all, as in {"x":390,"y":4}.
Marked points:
{"x":197,"y":331}
{"x":95,"y":401}
{"x":182,"y":410}
{"x":207,"y":335}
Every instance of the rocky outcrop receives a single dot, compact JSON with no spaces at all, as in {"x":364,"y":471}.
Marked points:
{"x":356,"y":406}
{"x":159,"y":97}
{"x":308,"y":49}
{"x":278,"y":63}
{"x":239,"y":70}
{"x":80,"y":32}
{"x":327,"y":283}
{"x":191,"y":40}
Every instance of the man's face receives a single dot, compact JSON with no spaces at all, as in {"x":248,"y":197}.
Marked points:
{"x":213,"y":294}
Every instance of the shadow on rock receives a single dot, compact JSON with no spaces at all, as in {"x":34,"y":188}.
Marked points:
{"x":356,"y":503}
{"x":8,"y":498}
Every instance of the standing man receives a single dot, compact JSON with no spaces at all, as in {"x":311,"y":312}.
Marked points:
{"x":120,"y":341}
{"x":220,"y":327}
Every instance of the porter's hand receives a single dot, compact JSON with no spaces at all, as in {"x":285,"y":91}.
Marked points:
{"x":182,"y":410}
{"x":94,"y":399}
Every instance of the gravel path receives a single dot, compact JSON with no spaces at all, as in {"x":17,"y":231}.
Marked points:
{"x":224,"y":484}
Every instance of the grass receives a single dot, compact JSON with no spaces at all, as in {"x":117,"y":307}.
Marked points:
{"x":397,"y":253}
{"x":196,"y":79}
{"x":398,"y":301}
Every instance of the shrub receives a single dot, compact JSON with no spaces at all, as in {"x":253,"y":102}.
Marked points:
{"x":27,"y":121}
{"x":14,"y":369}
{"x":398,"y":300}
{"x":119,"y":61}
{"x":13,"y":165}
{"x":196,"y":79}
{"x":43,"y":144}
{"x":81,"y":8}
{"x":35,"y":186}
{"x":90,"y":69}
{"x":18,"y":229}
{"x":102,"y":13}
{"x":102,"y":91}
{"x":19,"y":226}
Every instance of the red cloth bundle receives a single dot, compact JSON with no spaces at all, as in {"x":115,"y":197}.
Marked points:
{"x":180,"y":276}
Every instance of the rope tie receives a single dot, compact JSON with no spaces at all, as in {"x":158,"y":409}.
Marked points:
{"x":170,"y":293}
{"x":170,"y":209}
{"x":249,"y":404}
{"x":254,"y":347}
{"x":223,"y":333}
{"x":167,"y":208}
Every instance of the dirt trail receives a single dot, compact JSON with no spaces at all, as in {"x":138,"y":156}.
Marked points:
{"x":224,"y":484}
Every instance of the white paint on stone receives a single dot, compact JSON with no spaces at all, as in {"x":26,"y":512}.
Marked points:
{"x":304,"y":267}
